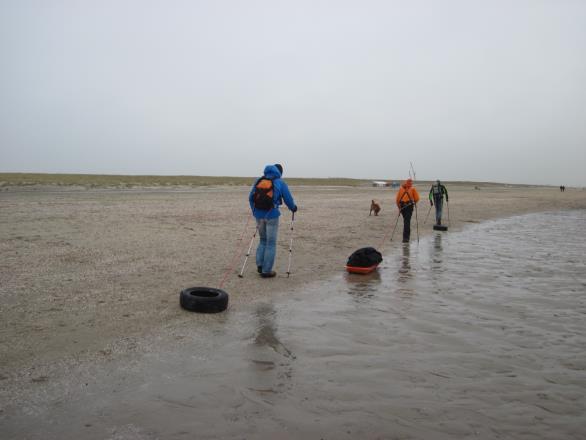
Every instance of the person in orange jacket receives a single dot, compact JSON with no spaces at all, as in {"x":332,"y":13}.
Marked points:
{"x":407,"y":197}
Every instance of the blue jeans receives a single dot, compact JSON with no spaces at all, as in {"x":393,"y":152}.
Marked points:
{"x":267,"y":248}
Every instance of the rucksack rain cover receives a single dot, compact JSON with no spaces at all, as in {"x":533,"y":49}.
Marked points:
{"x":364,"y":257}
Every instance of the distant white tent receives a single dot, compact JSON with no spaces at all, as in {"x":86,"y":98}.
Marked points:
{"x":380,"y":183}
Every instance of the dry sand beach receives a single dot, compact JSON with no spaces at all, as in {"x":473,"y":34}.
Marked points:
{"x":86,"y":273}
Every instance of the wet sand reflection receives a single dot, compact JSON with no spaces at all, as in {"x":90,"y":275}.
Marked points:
{"x":363,"y":287}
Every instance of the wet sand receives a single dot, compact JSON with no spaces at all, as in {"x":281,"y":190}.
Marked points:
{"x":87,"y":275}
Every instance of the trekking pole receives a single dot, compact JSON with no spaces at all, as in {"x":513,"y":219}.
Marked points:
{"x":394,"y":228}
{"x":428,"y":211}
{"x":387,"y":233}
{"x":237,"y":253}
{"x":290,"y":246}
{"x":240,"y":275}
{"x":396,"y":223}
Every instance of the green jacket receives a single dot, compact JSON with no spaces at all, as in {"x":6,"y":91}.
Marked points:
{"x":437,"y":191}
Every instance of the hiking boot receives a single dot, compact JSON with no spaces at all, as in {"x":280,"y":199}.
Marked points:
{"x":259,"y":269}
{"x":270,"y":274}
{"x":405,"y":241}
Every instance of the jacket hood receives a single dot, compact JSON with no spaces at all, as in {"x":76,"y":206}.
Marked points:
{"x":272,"y":172}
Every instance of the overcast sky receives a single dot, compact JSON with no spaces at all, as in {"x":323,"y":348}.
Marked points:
{"x":465,"y":90}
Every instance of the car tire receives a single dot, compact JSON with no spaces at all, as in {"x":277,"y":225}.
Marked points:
{"x":203,"y":300}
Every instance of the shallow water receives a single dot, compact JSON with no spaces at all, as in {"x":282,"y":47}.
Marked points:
{"x":475,"y":334}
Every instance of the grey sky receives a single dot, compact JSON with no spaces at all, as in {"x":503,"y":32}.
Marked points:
{"x":466,"y":90}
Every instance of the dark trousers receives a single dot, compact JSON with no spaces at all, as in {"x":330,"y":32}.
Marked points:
{"x":406,"y":212}
{"x":439,"y":204}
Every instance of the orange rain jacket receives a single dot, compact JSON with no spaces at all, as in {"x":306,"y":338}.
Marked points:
{"x":407,"y":193}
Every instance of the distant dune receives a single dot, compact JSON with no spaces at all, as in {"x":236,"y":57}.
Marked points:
{"x":129,"y":181}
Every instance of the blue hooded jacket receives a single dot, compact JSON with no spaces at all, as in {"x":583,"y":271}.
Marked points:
{"x":280,"y":193}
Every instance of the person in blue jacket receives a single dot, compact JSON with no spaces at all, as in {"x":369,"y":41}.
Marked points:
{"x":266,"y":196}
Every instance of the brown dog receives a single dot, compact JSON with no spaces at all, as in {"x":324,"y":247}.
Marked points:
{"x":374,"y":206}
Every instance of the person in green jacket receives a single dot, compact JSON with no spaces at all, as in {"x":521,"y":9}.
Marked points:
{"x":436,"y":195}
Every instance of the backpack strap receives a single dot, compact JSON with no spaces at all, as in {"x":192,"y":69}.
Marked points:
{"x":403,"y":195}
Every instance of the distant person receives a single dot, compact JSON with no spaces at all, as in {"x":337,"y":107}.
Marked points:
{"x":436,"y":195}
{"x":406,"y":198}
{"x":561,"y":188}
{"x":266,"y":195}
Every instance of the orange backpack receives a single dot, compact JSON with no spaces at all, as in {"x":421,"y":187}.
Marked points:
{"x":263,"y":194}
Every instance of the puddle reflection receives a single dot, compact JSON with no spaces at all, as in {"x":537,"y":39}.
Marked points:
{"x":272,"y":369}
{"x":362,"y":287}
{"x":405,"y":273}
{"x":405,"y":266}
{"x":266,"y":333}
{"x":436,"y":253}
